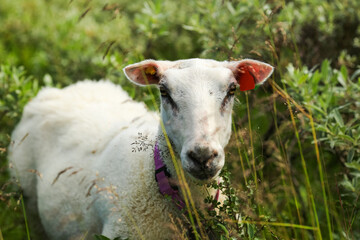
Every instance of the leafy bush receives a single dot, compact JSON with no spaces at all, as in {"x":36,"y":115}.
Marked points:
{"x":16,"y":89}
{"x":276,"y":189}
{"x":68,"y":40}
{"x":333,"y":98}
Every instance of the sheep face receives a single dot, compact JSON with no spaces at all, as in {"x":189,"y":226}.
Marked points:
{"x":196,"y":111}
{"x":197,"y":97}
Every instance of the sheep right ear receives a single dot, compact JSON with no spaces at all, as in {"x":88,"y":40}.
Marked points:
{"x":249,"y":73}
{"x":146,"y":72}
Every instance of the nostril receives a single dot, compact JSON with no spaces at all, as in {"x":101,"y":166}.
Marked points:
{"x":192,"y":155}
{"x":202,"y":155}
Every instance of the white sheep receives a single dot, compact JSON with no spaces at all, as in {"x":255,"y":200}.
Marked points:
{"x":92,"y":147}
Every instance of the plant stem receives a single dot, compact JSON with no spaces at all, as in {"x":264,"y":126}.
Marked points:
{"x":251,"y":140}
{"x":25,"y":218}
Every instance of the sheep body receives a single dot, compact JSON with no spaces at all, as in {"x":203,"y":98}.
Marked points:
{"x":82,"y":137}
{"x":92,"y":147}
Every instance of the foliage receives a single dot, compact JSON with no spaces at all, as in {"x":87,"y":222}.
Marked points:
{"x":333,"y":97}
{"x":16,"y":89}
{"x":230,"y":220}
{"x":277,"y":191}
{"x":68,"y":40}
{"x":102,"y":237}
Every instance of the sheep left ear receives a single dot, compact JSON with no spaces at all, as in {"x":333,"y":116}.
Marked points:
{"x":249,"y":73}
{"x":147,"y":71}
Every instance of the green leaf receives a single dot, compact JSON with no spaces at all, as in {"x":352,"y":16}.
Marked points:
{"x":348,"y":185}
{"x":350,"y":155}
{"x":251,"y":231}
{"x":344,"y":106}
{"x":325,"y":66}
{"x":313,"y":106}
{"x":336,"y":114}
{"x":355,"y":74}
{"x":302,"y":79}
{"x":332,"y":143}
{"x":48,"y":81}
{"x":322,"y":128}
{"x":223,"y":228}
{"x":346,"y":137}
{"x":101,"y":237}
{"x":315,"y":82}
{"x":230,"y":8}
{"x":353,"y":165}
{"x":342,"y":77}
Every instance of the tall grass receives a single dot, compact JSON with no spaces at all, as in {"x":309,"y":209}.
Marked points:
{"x":25,"y":217}
{"x":184,"y":187}
{"x":294,"y":153}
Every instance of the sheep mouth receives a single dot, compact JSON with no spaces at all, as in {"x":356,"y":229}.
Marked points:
{"x":204,"y":176}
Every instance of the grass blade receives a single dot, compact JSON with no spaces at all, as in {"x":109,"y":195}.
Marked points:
{"x":239,"y":152}
{"x":25,"y":217}
{"x":321,"y":175}
{"x":251,"y":140}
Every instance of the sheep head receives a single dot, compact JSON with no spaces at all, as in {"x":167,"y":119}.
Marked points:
{"x":197,"y":97}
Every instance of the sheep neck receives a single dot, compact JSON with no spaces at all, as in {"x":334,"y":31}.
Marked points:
{"x":162,"y":177}
{"x":164,"y":163}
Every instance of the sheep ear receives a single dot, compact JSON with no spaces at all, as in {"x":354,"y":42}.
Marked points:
{"x":249,"y":73}
{"x":146,"y":72}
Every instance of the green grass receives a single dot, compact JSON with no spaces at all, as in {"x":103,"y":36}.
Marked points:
{"x":293,"y":160}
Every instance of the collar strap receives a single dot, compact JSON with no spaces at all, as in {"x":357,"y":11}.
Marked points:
{"x":162,"y":177}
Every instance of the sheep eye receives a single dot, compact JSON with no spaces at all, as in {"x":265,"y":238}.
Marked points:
{"x":167,"y":99}
{"x":230,"y":93}
{"x":163,"y":91}
{"x":232,"y":89}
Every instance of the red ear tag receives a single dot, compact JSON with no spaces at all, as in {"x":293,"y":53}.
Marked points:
{"x":246,"y":80}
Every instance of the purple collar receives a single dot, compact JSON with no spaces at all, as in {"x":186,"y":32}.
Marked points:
{"x":162,"y":177}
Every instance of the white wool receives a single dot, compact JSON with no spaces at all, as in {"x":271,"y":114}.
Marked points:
{"x":86,"y":127}
{"x":91,"y":146}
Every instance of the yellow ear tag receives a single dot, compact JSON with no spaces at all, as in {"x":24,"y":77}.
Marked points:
{"x":150,"y":70}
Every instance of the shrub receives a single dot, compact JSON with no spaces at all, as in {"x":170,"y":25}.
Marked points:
{"x":271,"y":154}
{"x":16,"y":89}
{"x":332,"y":97}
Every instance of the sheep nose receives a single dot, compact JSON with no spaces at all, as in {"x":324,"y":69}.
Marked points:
{"x":202,"y":155}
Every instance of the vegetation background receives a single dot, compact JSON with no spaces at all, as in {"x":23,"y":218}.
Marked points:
{"x":294,"y":157}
